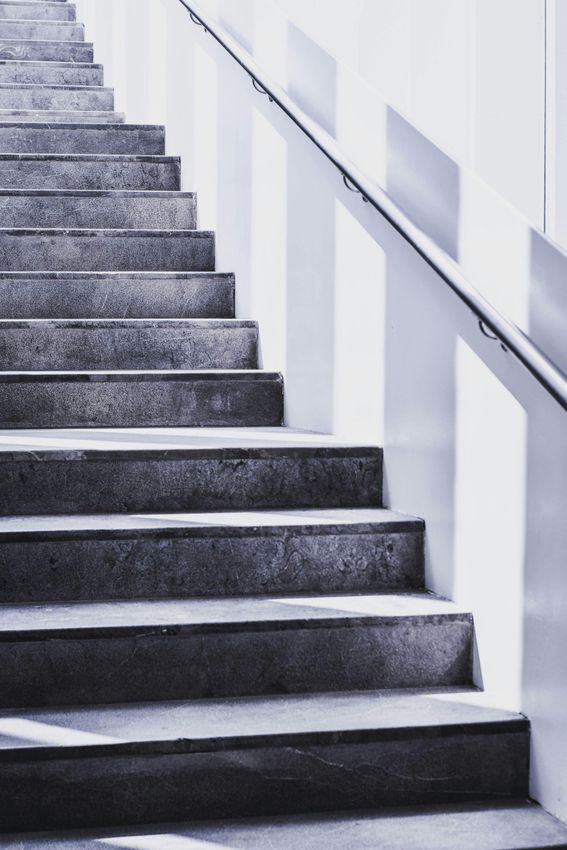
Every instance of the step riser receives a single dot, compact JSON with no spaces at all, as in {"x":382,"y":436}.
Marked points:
{"x":103,"y":175}
{"x":172,"y":566}
{"x":109,"y":404}
{"x":29,"y":74}
{"x":38,"y":12}
{"x":121,"y":484}
{"x":99,"y":791}
{"x":63,"y":252}
{"x":60,"y":99}
{"x":157,"y":663}
{"x":41,"y":31}
{"x":115,"y":139}
{"x":160,"y":347}
{"x":202,"y":297}
{"x":105,"y":211}
{"x":20,"y":49}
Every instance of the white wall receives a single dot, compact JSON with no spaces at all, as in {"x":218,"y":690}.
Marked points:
{"x":371,"y":344}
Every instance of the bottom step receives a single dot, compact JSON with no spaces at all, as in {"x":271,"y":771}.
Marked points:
{"x":517,"y":825}
{"x":163,"y":762}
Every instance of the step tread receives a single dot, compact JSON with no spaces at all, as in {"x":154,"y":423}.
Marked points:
{"x":309,"y":521}
{"x":142,"y":375}
{"x":113,"y":324}
{"x":88,"y":157}
{"x":56,"y":86}
{"x":44,"y":63}
{"x":151,"y":194}
{"x":250,"y":720}
{"x":101,"y":231}
{"x":50,"y":117}
{"x":509,"y":825}
{"x":309,"y":609}
{"x":71,"y":125}
{"x":79,"y":444}
{"x":110,"y":275}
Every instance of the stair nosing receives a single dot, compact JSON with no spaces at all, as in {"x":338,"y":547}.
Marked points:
{"x":158,"y":159}
{"x":106,"y":232}
{"x":274,"y":708}
{"x":56,"y":86}
{"x":392,"y":523}
{"x":226,"y":618}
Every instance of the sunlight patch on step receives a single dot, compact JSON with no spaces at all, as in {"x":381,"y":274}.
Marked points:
{"x":380,"y":605}
{"x":158,"y":842}
{"x":162,"y":438}
{"x":46,"y":734}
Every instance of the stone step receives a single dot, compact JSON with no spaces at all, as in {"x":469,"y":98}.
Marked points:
{"x":156,"y":399}
{"x":116,"y":295}
{"x":41,"y":31}
{"x":20,"y":136}
{"x":46,"y":345}
{"x":121,"y":209}
{"x":89,"y":172}
{"x":37,"y":11}
{"x":62,"y":558}
{"x":53,"y":117}
{"x":106,"y":250}
{"x":130,"y":764}
{"x":62,"y":98}
{"x":51,"y":73}
{"x":158,"y":649}
{"x":185,"y":469}
{"x":509,"y":825}
{"x":24,"y":48}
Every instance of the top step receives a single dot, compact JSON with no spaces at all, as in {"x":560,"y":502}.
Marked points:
{"x":37,"y":10}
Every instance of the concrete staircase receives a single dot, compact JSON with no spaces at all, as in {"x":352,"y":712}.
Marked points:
{"x":205,"y":614}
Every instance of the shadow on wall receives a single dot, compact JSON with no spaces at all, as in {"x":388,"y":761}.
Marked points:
{"x":424,"y":182}
{"x":311,"y":242}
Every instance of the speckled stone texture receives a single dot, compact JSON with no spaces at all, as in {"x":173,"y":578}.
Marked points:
{"x":188,"y":555}
{"x":129,"y":295}
{"x":54,"y":73}
{"x":40,"y":31}
{"x":303,"y":649}
{"x":58,"y":116}
{"x":89,"y":171}
{"x":510,"y":825}
{"x":271,"y":781}
{"x":140,"y":399}
{"x":16,"y":46}
{"x":90,"y":344}
{"x":92,"y":209}
{"x":80,"y":137}
{"x":49,"y":482}
{"x":204,"y":614}
{"x":107,"y":250}
{"x":17,"y":96}
{"x":38,"y":11}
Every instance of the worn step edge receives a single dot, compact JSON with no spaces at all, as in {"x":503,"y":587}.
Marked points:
{"x":209,"y":725}
{"x":45,"y":63}
{"x":88,"y":157}
{"x":55,"y":118}
{"x":116,"y":324}
{"x":200,"y":616}
{"x":261,"y":523}
{"x":47,"y":87}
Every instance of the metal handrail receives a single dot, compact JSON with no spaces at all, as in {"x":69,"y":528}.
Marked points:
{"x":510,"y":337}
